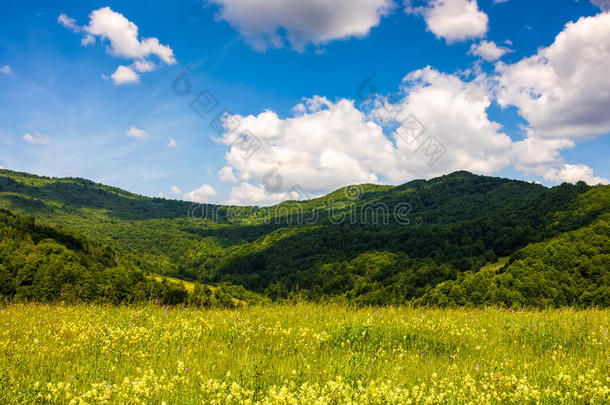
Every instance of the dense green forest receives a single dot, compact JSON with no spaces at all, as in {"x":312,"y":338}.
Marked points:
{"x":429,"y":242}
{"x":43,"y":263}
{"x":39,"y":262}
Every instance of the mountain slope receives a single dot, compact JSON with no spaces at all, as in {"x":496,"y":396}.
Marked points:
{"x":371,"y":244}
{"x":43,"y":263}
{"x":572,"y":268}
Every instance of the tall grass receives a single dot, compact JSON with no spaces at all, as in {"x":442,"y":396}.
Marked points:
{"x":301,"y":354}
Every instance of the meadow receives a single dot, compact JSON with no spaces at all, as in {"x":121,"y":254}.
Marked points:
{"x":301,"y":354}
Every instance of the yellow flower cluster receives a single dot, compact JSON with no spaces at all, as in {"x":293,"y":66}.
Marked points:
{"x":486,"y":389}
{"x":302,"y":354}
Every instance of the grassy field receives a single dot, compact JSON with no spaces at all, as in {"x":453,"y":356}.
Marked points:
{"x":303,"y":354}
{"x":189,"y":286}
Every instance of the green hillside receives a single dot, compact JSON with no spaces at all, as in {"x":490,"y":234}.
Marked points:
{"x":368,"y":244}
{"x":43,"y":263}
{"x":571,"y":269}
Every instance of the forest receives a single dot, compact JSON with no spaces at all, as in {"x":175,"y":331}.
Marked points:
{"x":459,"y":239}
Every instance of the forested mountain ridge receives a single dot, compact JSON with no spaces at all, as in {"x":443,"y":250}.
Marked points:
{"x":370,"y":244}
{"x":43,"y":263}
{"x":570,"y":269}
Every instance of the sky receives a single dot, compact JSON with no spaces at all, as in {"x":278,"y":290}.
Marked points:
{"x":236,"y":102}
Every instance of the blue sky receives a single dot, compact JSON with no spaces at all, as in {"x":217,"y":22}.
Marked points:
{"x":518,"y":107}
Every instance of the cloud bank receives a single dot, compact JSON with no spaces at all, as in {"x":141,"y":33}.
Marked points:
{"x":563,"y":91}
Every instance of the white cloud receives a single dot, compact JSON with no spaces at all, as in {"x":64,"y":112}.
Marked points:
{"x":226,"y":174}
{"x":539,"y":155}
{"x":262,"y":22}
{"x":123,"y":38}
{"x":573,"y":174}
{"x":454,"y":20}
{"x":36,"y":139}
{"x":175,"y":190}
{"x":6,"y":69}
{"x":542,"y":157}
{"x":172,"y":142}
{"x":87,"y":40}
{"x":144,"y":65}
{"x":453,"y":113}
{"x":564,"y":90}
{"x":249,"y":194}
{"x":137,"y":133}
{"x":327,"y":145}
{"x":488,"y":50}
{"x":201,"y":194}
{"x":124,"y":75}
{"x":324,"y":147}
{"x":69,"y":23}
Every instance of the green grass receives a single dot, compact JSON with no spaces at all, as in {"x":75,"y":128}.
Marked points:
{"x":495,"y":266}
{"x":301,"y":354}
{"x":189,"y":286}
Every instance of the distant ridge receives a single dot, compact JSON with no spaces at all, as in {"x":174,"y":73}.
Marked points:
{"x":423,"y":241}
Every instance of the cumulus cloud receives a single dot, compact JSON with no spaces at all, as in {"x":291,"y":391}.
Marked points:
{"x":325,"y":146}
{"x":563,"y":90}
{"x":250,"y":194}
{"x":137,"y":133}
{"x":453,"y":113}
{"x":124,"y":75}
{"x":539,"y":156}
{"x":226,"y":174}
{"x":488,"y":50}
{"x":453,"y":20}
{"x":574,"y":173}
{"x":202,"y":194}
{"x":542,"y":157}
{"x":144,"y":65}
{"x":36,"y":139}
{"x":262,"y":22}
{"x":175,"y":190}
{"x":122,"y":37}
{"x":6,"y":69}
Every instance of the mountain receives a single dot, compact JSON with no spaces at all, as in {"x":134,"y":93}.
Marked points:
{"x":570,"y":269}
{"x":44,"y":263}
{"x":421,"y":241}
